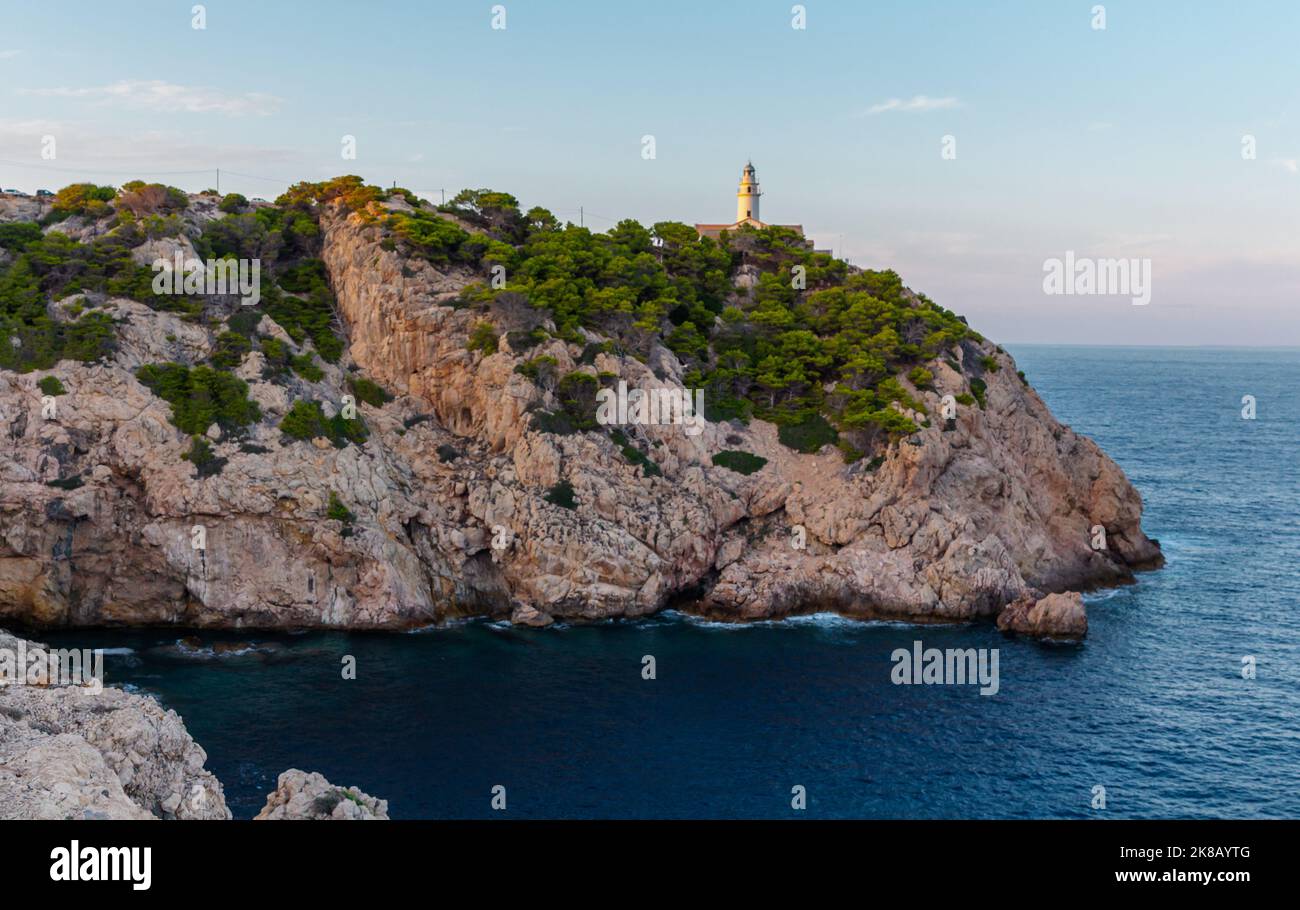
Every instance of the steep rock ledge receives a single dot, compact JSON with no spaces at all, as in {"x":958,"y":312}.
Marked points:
{"x":957,"y":522}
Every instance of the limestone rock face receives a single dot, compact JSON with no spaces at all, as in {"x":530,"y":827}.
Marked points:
{"x":302,"y":795}
{"x":69,"y":752}
{"x":450,"y":496}
{"x":23,"y":208}
{"x":1054,"y":616}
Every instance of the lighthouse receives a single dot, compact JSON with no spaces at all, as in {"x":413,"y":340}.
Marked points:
{"x":747,"y":196}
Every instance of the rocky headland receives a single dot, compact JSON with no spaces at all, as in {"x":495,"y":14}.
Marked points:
{"x":470,"y":481}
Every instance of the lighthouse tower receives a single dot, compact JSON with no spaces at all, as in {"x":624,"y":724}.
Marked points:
{"x":747,"y":196}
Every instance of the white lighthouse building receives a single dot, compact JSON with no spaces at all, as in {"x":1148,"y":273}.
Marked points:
{"x":748,"y":195}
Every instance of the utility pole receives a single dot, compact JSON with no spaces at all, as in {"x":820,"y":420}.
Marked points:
{"x":581,"y":216}
{"x":218,"y":181}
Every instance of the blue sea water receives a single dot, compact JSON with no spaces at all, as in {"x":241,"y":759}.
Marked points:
{"x":1152,"y":707}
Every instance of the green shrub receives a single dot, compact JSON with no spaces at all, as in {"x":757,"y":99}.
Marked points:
{"x":740,"y":462}
{"x":557,"y":422}
{"x":521,"y":341}
{"x":310,"y":318}
{"x":483,"y":338}
{"x":989,"y":363}
{"x":636,"y":456}
{"x":350,"y":191}
{"x":411,"y":199}
{"x":17,"y":234}
{"x":920,"y":377}
{"x":306,"y":420}
{"x":538,"y":368}
{"x":201,"y":456}
{"x":577,"y":395}
{"x":244,"y":322}
{"x":592,"y":349}
{"x":305,"y":366}
{"x":51,"y":385}
{"x":83,"y":199}
{"x":143,"y":199}
{"x":978,"y":388}
{"x":200,"y":396}
{"x":337,"y":511}
{"x":430,"y":237}
{"x":372,"y":393}
{"x":562,"y":495}
{"x":229,"y":350}
{"x":276,"y":355}
{"x":809,"y":434}
{"x":38,"y":343}
{"x":448,"y":453}
{"x":965,"y":399}
{"x":66,"y":483}
{"x":232,"y":202}
{"x":304,"y":277}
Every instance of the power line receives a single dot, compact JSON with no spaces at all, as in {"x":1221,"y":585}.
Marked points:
{"x":266,"y":179}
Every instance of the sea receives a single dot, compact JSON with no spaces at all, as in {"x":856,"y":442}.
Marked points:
{"x":1183,"y":702}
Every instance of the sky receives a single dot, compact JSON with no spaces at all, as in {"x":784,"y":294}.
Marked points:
{"x":1118,"y":142}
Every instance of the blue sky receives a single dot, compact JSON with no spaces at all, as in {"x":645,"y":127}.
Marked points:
{"x":1123,"y":142}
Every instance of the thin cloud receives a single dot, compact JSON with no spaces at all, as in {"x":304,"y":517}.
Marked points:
{"x":86,"y":153}
{"x":1290,"y":165}
{"x":917,"y":104}
{"x":167,"y":97}
{"x":9,"y":55}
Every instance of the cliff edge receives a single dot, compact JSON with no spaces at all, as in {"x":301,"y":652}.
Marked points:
{"x":470,"y":482}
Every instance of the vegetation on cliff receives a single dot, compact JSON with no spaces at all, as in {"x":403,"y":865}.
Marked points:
{"x":201,"y":396}
{"x":827,"y":352}
{"x":767,"y":326}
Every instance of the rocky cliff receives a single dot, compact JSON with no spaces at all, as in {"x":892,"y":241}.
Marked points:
{"x":449,"y":506}
{"x":71,"y":750}
{"x":67,"y":751}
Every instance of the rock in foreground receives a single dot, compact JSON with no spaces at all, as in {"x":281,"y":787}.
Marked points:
{"x":96,"y":752}
{"x":67,"y":751}
{"x":1054,"y":616}
{"x":308,"y":795}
